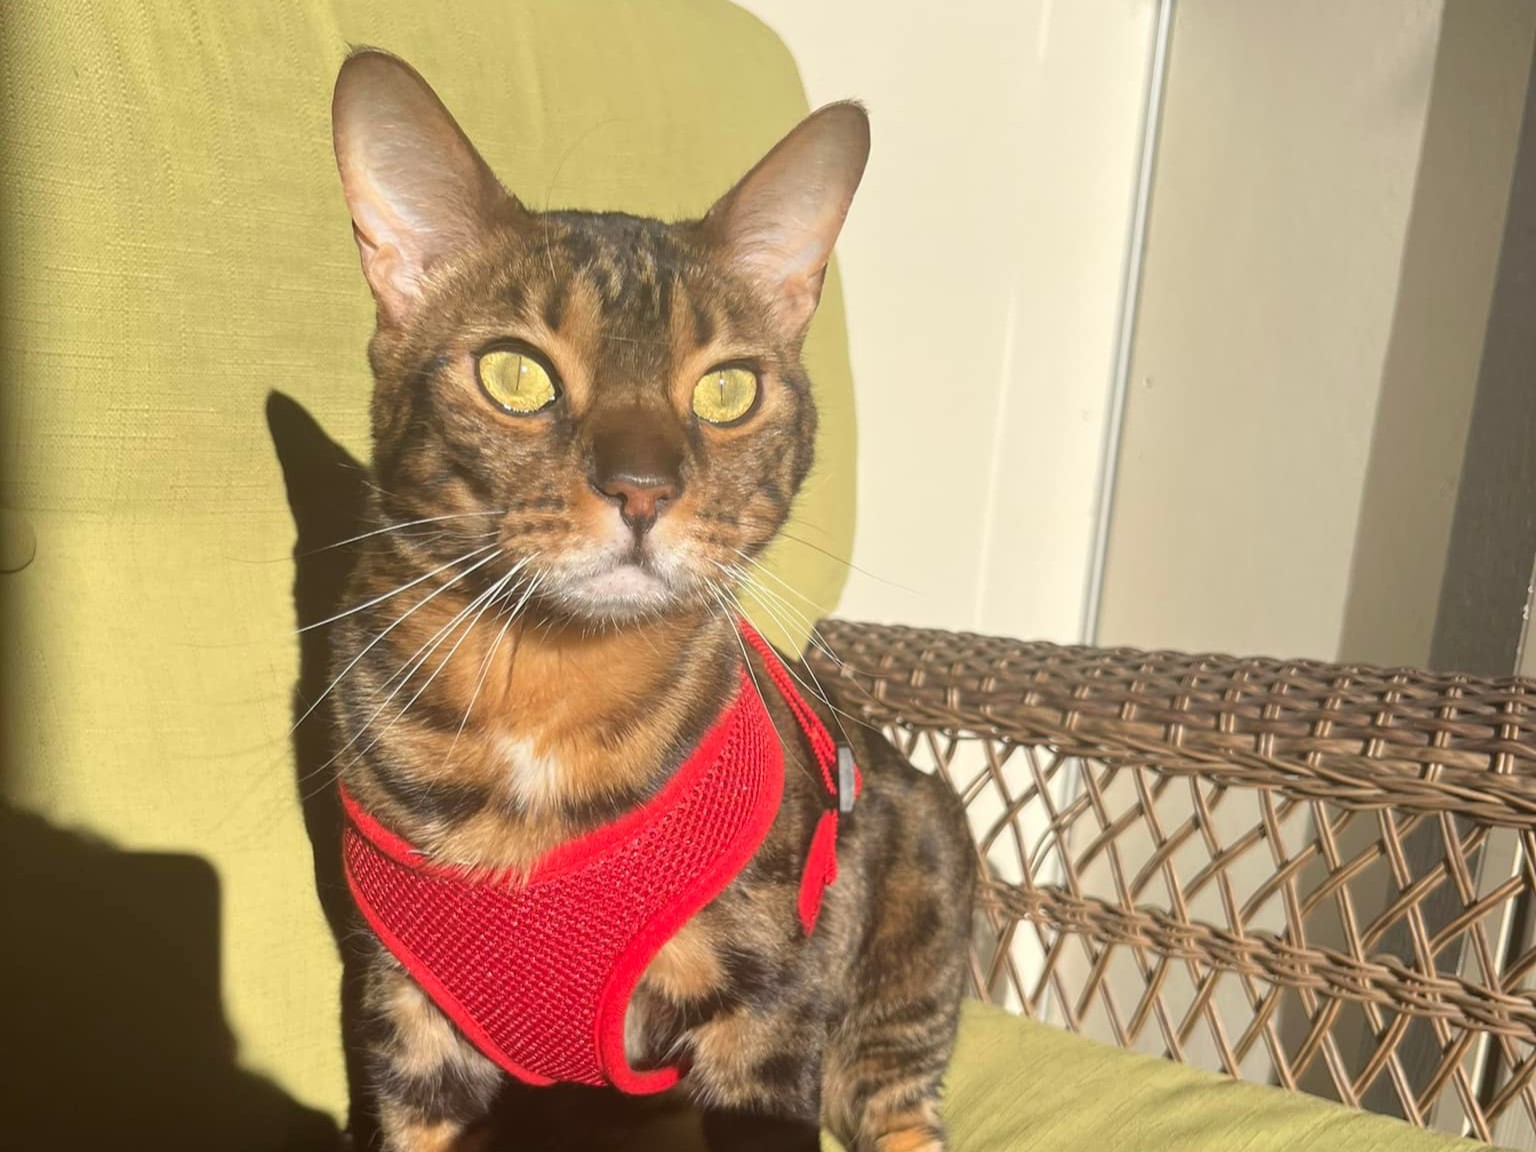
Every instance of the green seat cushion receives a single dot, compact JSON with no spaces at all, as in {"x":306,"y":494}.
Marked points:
{"x":1019,"y":1086}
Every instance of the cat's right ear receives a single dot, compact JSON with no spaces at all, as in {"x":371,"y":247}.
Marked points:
{"x":415,"y":185}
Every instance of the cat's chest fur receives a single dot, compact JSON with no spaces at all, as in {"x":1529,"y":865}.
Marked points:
{"x":540,"y":738}
{"x":531,"y":776}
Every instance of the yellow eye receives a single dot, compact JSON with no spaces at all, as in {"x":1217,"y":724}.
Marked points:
{"x":724,"y":394}
{"x":516,"y":381}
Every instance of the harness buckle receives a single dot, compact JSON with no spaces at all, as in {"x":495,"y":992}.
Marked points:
{"x":847,"y":779}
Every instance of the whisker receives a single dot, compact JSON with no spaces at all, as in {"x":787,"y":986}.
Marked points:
{"x":412,"y":665}
{"x":407,"y":669}
{"x":495,"y":589}
{"x":633,"y":340}
{"x":549,"y":191}
{"x":730,"y":620}
{"x":817,"y":691}
{"x":771,"y":600}
{"x":396,"y":591}
{"x":397,"y":528}
{"x":746,"y":659}
{"x":431,"y":538}
{"x":779,"y":580}
{"x":485,"y":665}
{"x":757,"y":586}
{"x":398,"y":621}
{"x":816,"y":638}
{"x":778,"y":529}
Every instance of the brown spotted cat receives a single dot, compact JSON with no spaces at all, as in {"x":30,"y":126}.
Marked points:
{"x":586,"y":426}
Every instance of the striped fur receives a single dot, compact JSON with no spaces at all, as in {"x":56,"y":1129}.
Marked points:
{"x":486,"y":711}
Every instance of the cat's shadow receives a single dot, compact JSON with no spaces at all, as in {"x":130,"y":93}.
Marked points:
{"x":327,"y":494}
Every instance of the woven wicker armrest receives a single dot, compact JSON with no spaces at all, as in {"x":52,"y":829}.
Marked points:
{"x":1315,"y":874}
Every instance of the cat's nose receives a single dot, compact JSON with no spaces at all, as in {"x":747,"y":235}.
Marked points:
{"x":640,"y":498}
{"x":637,"y":462}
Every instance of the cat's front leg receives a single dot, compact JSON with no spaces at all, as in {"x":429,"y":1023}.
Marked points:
{"x":757,"y":1081}
{"x":430,"y":1084}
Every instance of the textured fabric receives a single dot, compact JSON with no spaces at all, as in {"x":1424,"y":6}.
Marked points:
{"x":175,"y":245}
{"x":1018,"y":1086}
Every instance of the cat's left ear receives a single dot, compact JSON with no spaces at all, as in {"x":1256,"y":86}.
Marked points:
{"x":781,"y":220}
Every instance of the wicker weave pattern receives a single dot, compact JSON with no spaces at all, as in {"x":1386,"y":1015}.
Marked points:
{"x":1301,"y":872}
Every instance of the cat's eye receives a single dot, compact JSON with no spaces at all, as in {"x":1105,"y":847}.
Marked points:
{"x":516,"y":381}
{"x":725,"y":395}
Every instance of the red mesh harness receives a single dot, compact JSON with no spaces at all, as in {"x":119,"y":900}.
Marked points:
{"x":538,"y":974}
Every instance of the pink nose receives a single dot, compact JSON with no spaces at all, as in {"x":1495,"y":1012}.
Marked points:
{"x":640,"y":498}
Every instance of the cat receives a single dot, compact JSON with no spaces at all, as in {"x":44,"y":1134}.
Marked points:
{"x":585,"y":426}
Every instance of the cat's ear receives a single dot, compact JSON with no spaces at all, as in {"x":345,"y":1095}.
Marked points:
{"x":780,"y":221}
{"x":415,"y":185}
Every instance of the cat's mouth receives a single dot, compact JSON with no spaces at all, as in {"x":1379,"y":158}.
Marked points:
{"x":628,"y":584}
{"x":622,"y":584}
{"x":630,"y":579}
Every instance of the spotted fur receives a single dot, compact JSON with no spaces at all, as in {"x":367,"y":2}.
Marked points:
{"x":504,"y":688}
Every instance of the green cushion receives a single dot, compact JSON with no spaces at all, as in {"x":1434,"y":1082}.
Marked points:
{"x":1019,"y":1086}
{"x":175,"y":246}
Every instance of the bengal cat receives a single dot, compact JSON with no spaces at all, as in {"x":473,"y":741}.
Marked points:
{"x":587,"y":426}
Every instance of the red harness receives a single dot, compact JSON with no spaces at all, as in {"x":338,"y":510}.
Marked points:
{"x":539,"y":974}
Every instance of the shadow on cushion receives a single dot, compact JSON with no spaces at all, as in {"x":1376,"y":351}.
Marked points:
{"x":112,"y":1003}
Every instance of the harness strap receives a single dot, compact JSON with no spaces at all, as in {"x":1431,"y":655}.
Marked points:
{"x":538,"y":971}
{"x":821,"y":858}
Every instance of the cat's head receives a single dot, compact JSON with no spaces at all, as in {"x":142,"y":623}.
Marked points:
{"x":615,"y":402}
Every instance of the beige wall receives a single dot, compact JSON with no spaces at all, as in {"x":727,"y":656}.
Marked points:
{"x":982,"y":266}
{"x":1290,"y":146}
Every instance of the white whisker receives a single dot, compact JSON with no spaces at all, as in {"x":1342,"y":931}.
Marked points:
{"x":818,"y":691}
{"x":766,"y":593}
{"x":406,"y":673}
{"x":759,"y":566}
{"x":485,"y":665}
{"x":397,"y":528}
{"x":398,"y":621}
{"x":746,"y":659}
{"x":396,"y":591}
{"x":408,"y":669}
{"x":815,"y":634}
{"x":483,"y":602}
{"x":485,"y":605}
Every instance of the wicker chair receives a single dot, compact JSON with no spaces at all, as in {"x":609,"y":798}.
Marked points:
{"x":1376,"y":948}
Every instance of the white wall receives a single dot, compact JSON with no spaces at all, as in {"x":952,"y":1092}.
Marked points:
{"x":982,"y":266}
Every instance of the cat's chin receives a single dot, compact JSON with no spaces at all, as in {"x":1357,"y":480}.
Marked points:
{"x":624,"y":592}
